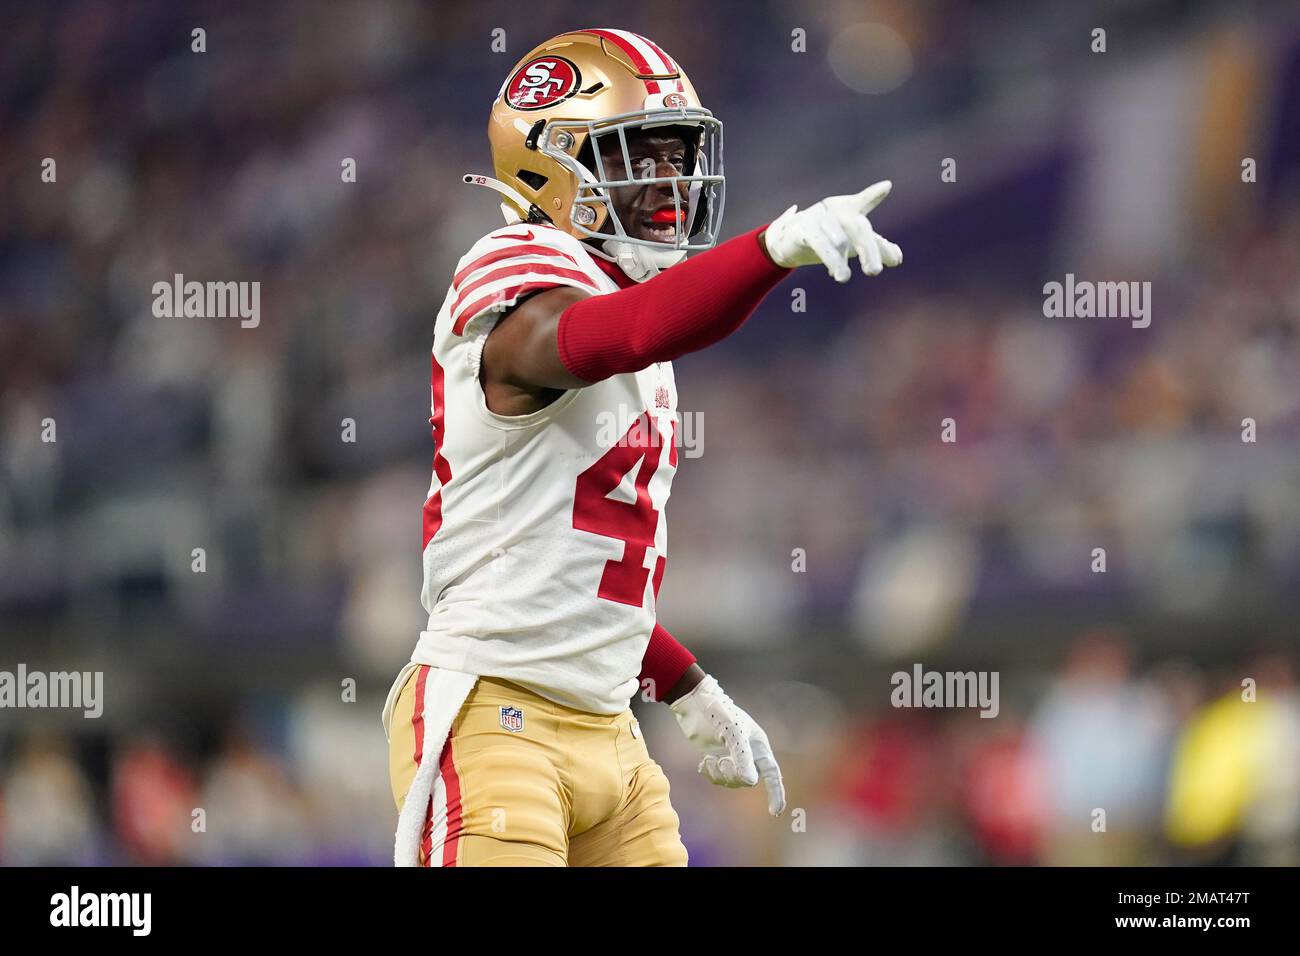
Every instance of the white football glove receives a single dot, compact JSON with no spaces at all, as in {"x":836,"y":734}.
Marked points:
{"x":832,"y":232}
{"x":736,"y":751}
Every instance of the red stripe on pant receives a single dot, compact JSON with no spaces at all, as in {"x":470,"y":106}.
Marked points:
{"x":451,"y":784}
{"x":417,"y":722}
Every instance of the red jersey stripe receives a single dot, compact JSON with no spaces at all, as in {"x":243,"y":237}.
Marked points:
{"x":509,"y":252}
{"x":501,"y":295}
{"x":524,"y":268}
{"x":433,"y":507}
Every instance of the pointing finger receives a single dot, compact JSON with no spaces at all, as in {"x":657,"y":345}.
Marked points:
{"x":872,"y":196}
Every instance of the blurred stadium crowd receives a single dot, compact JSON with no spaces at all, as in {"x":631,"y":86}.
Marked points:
{"x":1181,"y":768}
{"x":226,"y":689}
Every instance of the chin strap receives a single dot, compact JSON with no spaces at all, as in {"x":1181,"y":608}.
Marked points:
{"x":640,"y":262}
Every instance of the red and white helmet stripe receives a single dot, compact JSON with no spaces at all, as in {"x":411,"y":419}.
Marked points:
{"x":648,"y":56}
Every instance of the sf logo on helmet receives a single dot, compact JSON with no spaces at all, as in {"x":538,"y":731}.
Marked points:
{"x":542,"y":82}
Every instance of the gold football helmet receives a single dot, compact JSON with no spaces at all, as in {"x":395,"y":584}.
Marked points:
{"x":577,"y":93}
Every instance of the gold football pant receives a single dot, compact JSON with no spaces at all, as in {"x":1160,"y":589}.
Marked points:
{"x":528,"y":782}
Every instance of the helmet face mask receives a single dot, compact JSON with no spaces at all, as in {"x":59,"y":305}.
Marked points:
{"x":697,"y":193}
{"x":560,"y":130}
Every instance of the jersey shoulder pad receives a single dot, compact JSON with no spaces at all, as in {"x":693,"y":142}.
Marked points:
{"x":512,"y":262}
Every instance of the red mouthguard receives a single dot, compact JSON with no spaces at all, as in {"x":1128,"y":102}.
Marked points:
{"x":667,"y":215}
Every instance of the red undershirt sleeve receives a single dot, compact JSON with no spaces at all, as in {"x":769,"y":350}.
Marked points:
{"x":664,"y":662}
{"x":683,"y":309}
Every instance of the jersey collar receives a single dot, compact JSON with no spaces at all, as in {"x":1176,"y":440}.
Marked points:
{"x":621,"y":278}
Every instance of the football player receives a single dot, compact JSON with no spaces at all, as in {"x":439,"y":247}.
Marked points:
{"x":511,"y":739}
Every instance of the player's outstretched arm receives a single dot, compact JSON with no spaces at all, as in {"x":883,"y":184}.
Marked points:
{"x":563,"y":338}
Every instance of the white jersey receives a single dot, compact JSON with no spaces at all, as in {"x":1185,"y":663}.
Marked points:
{"x":544,"y":535}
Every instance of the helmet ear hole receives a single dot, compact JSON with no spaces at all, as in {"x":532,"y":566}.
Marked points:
{"x":587,"y":155}
{"x":534,"y":181}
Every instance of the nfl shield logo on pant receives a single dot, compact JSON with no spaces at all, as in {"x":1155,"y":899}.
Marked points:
{"x":512,"y":719}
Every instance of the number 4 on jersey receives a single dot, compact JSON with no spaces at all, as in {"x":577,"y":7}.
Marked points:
{"x":634,"y":524}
